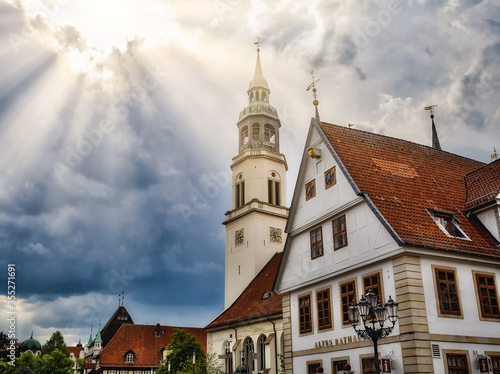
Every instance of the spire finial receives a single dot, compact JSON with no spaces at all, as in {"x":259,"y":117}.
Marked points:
{"x":313,"y":86}
{"x":435,"y":139}
{"x":123,"y":296}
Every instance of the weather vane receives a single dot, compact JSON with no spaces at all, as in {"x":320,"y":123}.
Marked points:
{"x":430,"y":108}
{"x":258,"y":43}
{"x":313,"y":86}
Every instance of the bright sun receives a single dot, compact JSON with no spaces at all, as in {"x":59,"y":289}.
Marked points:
{"x":105,"y":24}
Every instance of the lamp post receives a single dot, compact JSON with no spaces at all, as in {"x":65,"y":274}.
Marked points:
{"x":194,"y":358}
{"x":373,"y":316}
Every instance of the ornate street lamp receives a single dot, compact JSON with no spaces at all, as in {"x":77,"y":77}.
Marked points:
{"x":373,"y":316}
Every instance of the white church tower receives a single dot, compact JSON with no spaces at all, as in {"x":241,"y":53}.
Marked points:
{"x":255,"y":224}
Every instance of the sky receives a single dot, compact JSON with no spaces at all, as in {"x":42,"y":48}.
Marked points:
{"x":118,"y":126}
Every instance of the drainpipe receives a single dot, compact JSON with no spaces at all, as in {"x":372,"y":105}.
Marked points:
{"x":235,"y":339}
{"x":275,"y":345}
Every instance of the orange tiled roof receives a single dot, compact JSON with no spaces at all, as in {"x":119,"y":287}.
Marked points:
{"x":142,"y":341}
{"x":483,"y":185}
{"x":250,"y":304}
{"x":404,"y":179}
{"x":75,"y":350}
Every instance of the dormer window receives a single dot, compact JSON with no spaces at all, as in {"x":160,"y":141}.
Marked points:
{"x":448,"y":224}
{"x":129,"y":357}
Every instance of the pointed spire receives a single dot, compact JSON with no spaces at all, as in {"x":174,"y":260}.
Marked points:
{"x":258,"y":80}
{"x":98,"y":336}
{"x":435,"y":138}
{"x":89,"y":343}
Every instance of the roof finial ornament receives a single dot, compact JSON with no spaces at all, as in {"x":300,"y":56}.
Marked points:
{"x":435,"y":139}
{"x":123,"y":296}
{"x":313,"y":86}
{"x":494,"y":156}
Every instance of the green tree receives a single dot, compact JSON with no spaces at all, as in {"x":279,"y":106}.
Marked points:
{"x":181,"y":355}
{"x":6,"y":368}
{"x":56,"y":341}
{"x":54,"y":363}
{"x":57,"y":362}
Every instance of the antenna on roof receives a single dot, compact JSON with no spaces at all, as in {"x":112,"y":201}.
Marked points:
{"x":435,"y":139}
{"x":313,"y":86}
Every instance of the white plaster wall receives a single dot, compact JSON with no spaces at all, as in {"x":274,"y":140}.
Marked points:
{"x":307,"y":341}
{"x":439,"y":363}
{"x":244,"y":261}
{"x":470,"y":325}
{"x":394,"y":350}
{"x":489,"y":220}
{"x":255,"y":171}
{"x":365,"y":235}
{"x":216,"y":340}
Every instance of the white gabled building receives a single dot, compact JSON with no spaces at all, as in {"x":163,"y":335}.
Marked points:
{"x":412,"y":222}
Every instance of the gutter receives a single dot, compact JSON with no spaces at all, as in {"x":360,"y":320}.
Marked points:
{"x":275,"y":345}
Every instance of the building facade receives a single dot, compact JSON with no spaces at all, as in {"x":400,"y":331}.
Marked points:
{"x":408,"y":221}
{"x":247,"y":335}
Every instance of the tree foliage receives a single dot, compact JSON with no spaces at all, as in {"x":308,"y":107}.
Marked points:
{"x":56,"y":362}
{"x":6,"y":344}
{"x":180,"y":354}
{"x":56,"y":341}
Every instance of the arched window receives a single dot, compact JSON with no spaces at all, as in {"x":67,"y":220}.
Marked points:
{"x":255,"y":131}
{"x":249,"y":351}
{"x":273,"y":188}
{"x":262,"y":352}
{"x":239,"y":193}
{"x":243,"y":136}
{"x":269,"y":133}
{"x":228,"y":357}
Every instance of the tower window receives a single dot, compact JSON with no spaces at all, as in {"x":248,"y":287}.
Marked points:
{"x":273,"y":192}
{"x":244,"y":136}
{"x":240,"y":194}
{"x":269,"y":134}
{"x":255,"y":131}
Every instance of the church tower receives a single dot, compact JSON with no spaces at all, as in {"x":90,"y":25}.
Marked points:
{"x":255,"y":224}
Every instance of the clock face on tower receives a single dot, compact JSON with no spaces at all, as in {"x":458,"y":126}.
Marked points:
{"x":275,"y":235}
{"x":239,"y":237}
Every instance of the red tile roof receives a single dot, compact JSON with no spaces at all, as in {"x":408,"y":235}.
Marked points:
{"x":75,"y":350}
{"x":141,"y":339}
{"x":483,"y":185}
{"x":404,"y":179}
{"x":250,"y":304}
